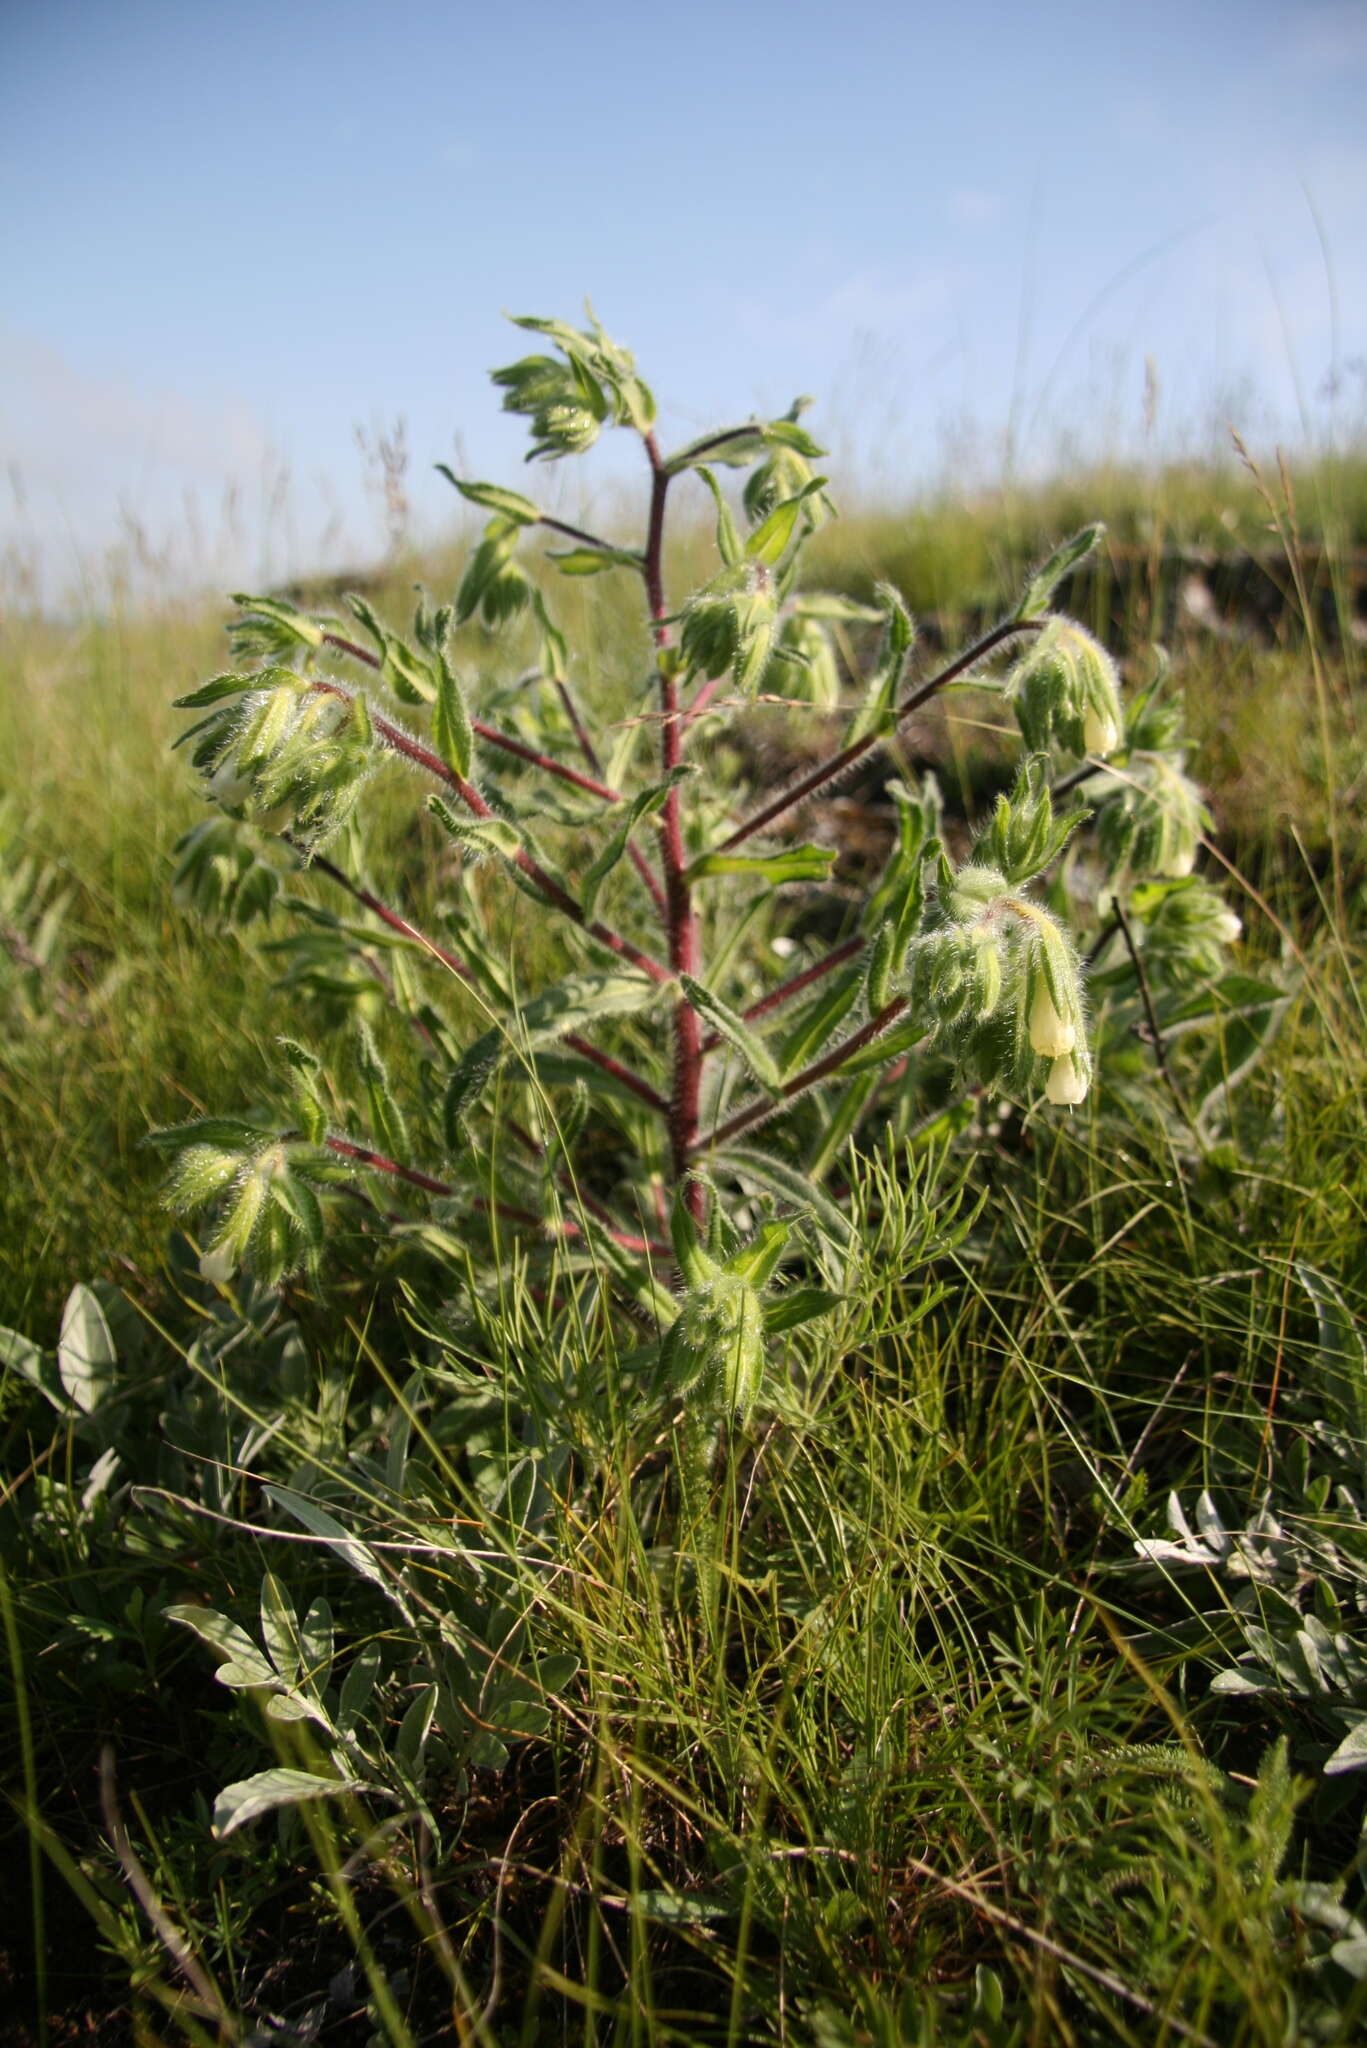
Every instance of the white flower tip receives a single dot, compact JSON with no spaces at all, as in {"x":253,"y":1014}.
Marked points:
{"x":217,"y":1266}
{"x":1065,"y":1086}
{"x":1181,"y":864}
{"x":1229,"y":927}
{"x":1100,"y":733}
{"x":1050,"y":1034}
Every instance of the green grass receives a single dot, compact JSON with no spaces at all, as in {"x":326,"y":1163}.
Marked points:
{"x":944,"y":1762}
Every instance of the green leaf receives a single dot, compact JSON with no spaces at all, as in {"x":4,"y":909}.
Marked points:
{"x":776,"y":1177}
{"x":226,"y":1131}
{"x":798,"y":1305}
{"x":877,"y":714}
{"x":1351,"y":1754}
{"x":645,"y":805}
{"x":291,"y":624}
{"x":478,"y":835}
{"x":734,"y":1029}
{"x":350,"y":1549}
{"x":817,"y":1023}
{"x":1342,"y":1358}
{"x":269,"y":1790}
{"x":280,"y":1629}
{"x":563,"y":1007}
{"x":19,"y":1354}
{"x":414,"y":1730}
{"x":451,"y":730}
{"x":214,"y":691}
{"x":591,"y":561}
{"x":739,"y":447}
{"x":1042,"y":585}
{"x":757,"y":1261}
{"x":771,"y":537}
{"x":245,"y":1664}
{"x":903,"y":1037}
{"x":86,"y":1358}
{"x":553,"y":1674}
{"x":806,"y":863}
{"x":358,"y":1686}
{"x":315,"y":1644}
{"x":728,"y":540}
{"x":494,"y":498}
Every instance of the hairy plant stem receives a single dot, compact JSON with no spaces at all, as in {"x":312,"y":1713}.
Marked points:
{"x":546,"y":885}
{"x":490,"y":733}
{"x":682,"y":923}
{"x":757,"y":1112}
{"x":826,"y":771}
{"x":592,"y":782}
{"x":786,"y":990}
{"x":380,"y":1163}
{"x":628,"y":1077}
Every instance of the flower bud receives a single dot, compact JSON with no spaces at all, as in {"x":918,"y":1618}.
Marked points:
{"x":1066,"y":1085}
{"x":989,"y":965}
{"x":1051,"y":1034}
{"x":1228,"y":927}
{"x":1179,"y":863}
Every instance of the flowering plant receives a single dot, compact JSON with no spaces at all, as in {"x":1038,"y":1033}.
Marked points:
{"x":608,"y":1117}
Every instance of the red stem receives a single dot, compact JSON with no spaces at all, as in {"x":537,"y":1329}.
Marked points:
{"x":825,"y":771}
{"x":702,"y":698}
{"x":495,"y":738}
{"x":626,"y":1075}
{"x":346,"y":1150}
{"x":756,"y":1112}
{"x":545,"y":884}
{"x":786,"y":990}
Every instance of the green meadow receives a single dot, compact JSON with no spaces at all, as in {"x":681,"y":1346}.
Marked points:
{"x":1035,"y":1708}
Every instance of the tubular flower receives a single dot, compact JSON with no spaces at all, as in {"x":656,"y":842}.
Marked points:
{"x":1066,"y":1085}
{"x":1100,"y":733}
{"x":1051,"y":1034}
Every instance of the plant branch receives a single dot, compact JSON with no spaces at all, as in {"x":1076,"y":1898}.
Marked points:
{"x":490,"y":733}
{"x":566,"y":1227}
{"x":628,"y":1077}
{"x":681,"y":919}
{"x":1151,"y":1015}
{"x":362,"y":1154}
{"x":588,"y":540}
{"x":786,"y":990}
{"x":395,"y":738}
{"x":826,"y":771}
{"x":756,"y":1112}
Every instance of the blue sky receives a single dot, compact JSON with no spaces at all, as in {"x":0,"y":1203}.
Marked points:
{"x":230,"y":234}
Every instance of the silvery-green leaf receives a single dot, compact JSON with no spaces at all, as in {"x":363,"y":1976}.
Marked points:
{"x":86,"y":1358}
{"x":245,"y":1662}
{"x":268,"y":1790}
{"x":1351,"y":1754}
{"x":348,"y":1547}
